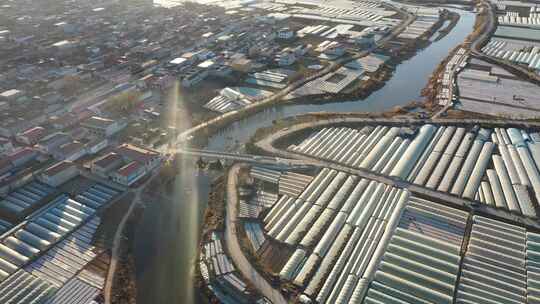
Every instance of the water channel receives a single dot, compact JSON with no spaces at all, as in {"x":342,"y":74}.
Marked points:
{"x":167,"y":236}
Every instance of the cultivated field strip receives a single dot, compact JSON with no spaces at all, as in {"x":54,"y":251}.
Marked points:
{"x":495,"y":264}
{"x":421,"y":262}
{"x":24,"y":198}
{"x":335,"y":210}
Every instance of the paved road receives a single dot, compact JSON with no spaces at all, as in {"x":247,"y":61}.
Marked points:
{"x":267,"y":144}
{"x":249,"y":158}
{"x":233,"y":246}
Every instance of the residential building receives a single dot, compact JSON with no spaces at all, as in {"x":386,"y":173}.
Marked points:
{"x":364,"y":38}
{"x":220,"y":71}
{"x":286,"y":58}
{"x":105,"y":164}
{"x":129,"y":174}
{"x":64,"y":121}
{"x":301,"y":50}
{"x":78,"y":133}
{"x":59,"y":173}
{"x":70,"y":151}
{"x":335,"y":49}
{"x":103,"y":127}
{"x":96,"y":145}
{"x":51,"y":142}
{"x":179,"y":62}
{"x":150,"y":159}
{"x":14,"y":125}
{"x":22,"y":156}
{"x":193,"y":76}
{"x":242,"y":65}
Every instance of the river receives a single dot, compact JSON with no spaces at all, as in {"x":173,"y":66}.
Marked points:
{"x":167,"y":236}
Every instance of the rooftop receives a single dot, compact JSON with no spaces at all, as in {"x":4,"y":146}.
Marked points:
{"x":98,"y":122}
{"x":178,"y":60}
{"x":21,"y":153}
{"x":10,"y":93}
{"x":53,"y":137}
{"x":108,"y":160}
{"x":129,"y":169}
{"x":71,"y":147}
{"x":58,"y":168}
{"x":134,"y":153}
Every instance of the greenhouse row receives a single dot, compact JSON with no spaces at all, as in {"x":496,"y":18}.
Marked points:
{"x":51,"y":225}
{"x":75,"y":252}
{"x":356,"y":240}
{"x":495,"y":266}
{"x":498,"y":49}
{"x":497,"y":167}
{"x":25,"y":197}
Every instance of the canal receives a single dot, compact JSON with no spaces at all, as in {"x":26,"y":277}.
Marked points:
{"x":406,"y":84}
{"x":167,"y":236}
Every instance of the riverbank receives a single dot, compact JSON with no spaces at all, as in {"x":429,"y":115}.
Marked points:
{"x":217,"y":123}
{"x":124,"y":285}
{"x":402,"y":114}
{"x":215,"y":210}
{"x":405,"y":85}
{"x":125,"y":289}
{"x":213,"y":220}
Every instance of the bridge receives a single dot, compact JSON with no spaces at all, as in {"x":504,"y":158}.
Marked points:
{"x":248,"y":158}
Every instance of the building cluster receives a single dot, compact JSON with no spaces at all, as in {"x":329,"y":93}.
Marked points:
{"x":80,"y":78}
{"x":75,"y":78}
{"x":482,"y":85}
{"x":126,"y":164}
{"x":447,"y":79}
{"x":423,"y":24}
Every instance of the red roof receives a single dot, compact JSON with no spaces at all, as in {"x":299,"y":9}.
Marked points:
{"x":34,"y":134}
{"x":129,"y":169}
{"x":58,"y":168}
{"x":21,"y":153}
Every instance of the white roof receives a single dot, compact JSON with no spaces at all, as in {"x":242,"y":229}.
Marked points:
{"x":10,"y":93}
{"x":178,"y":60}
